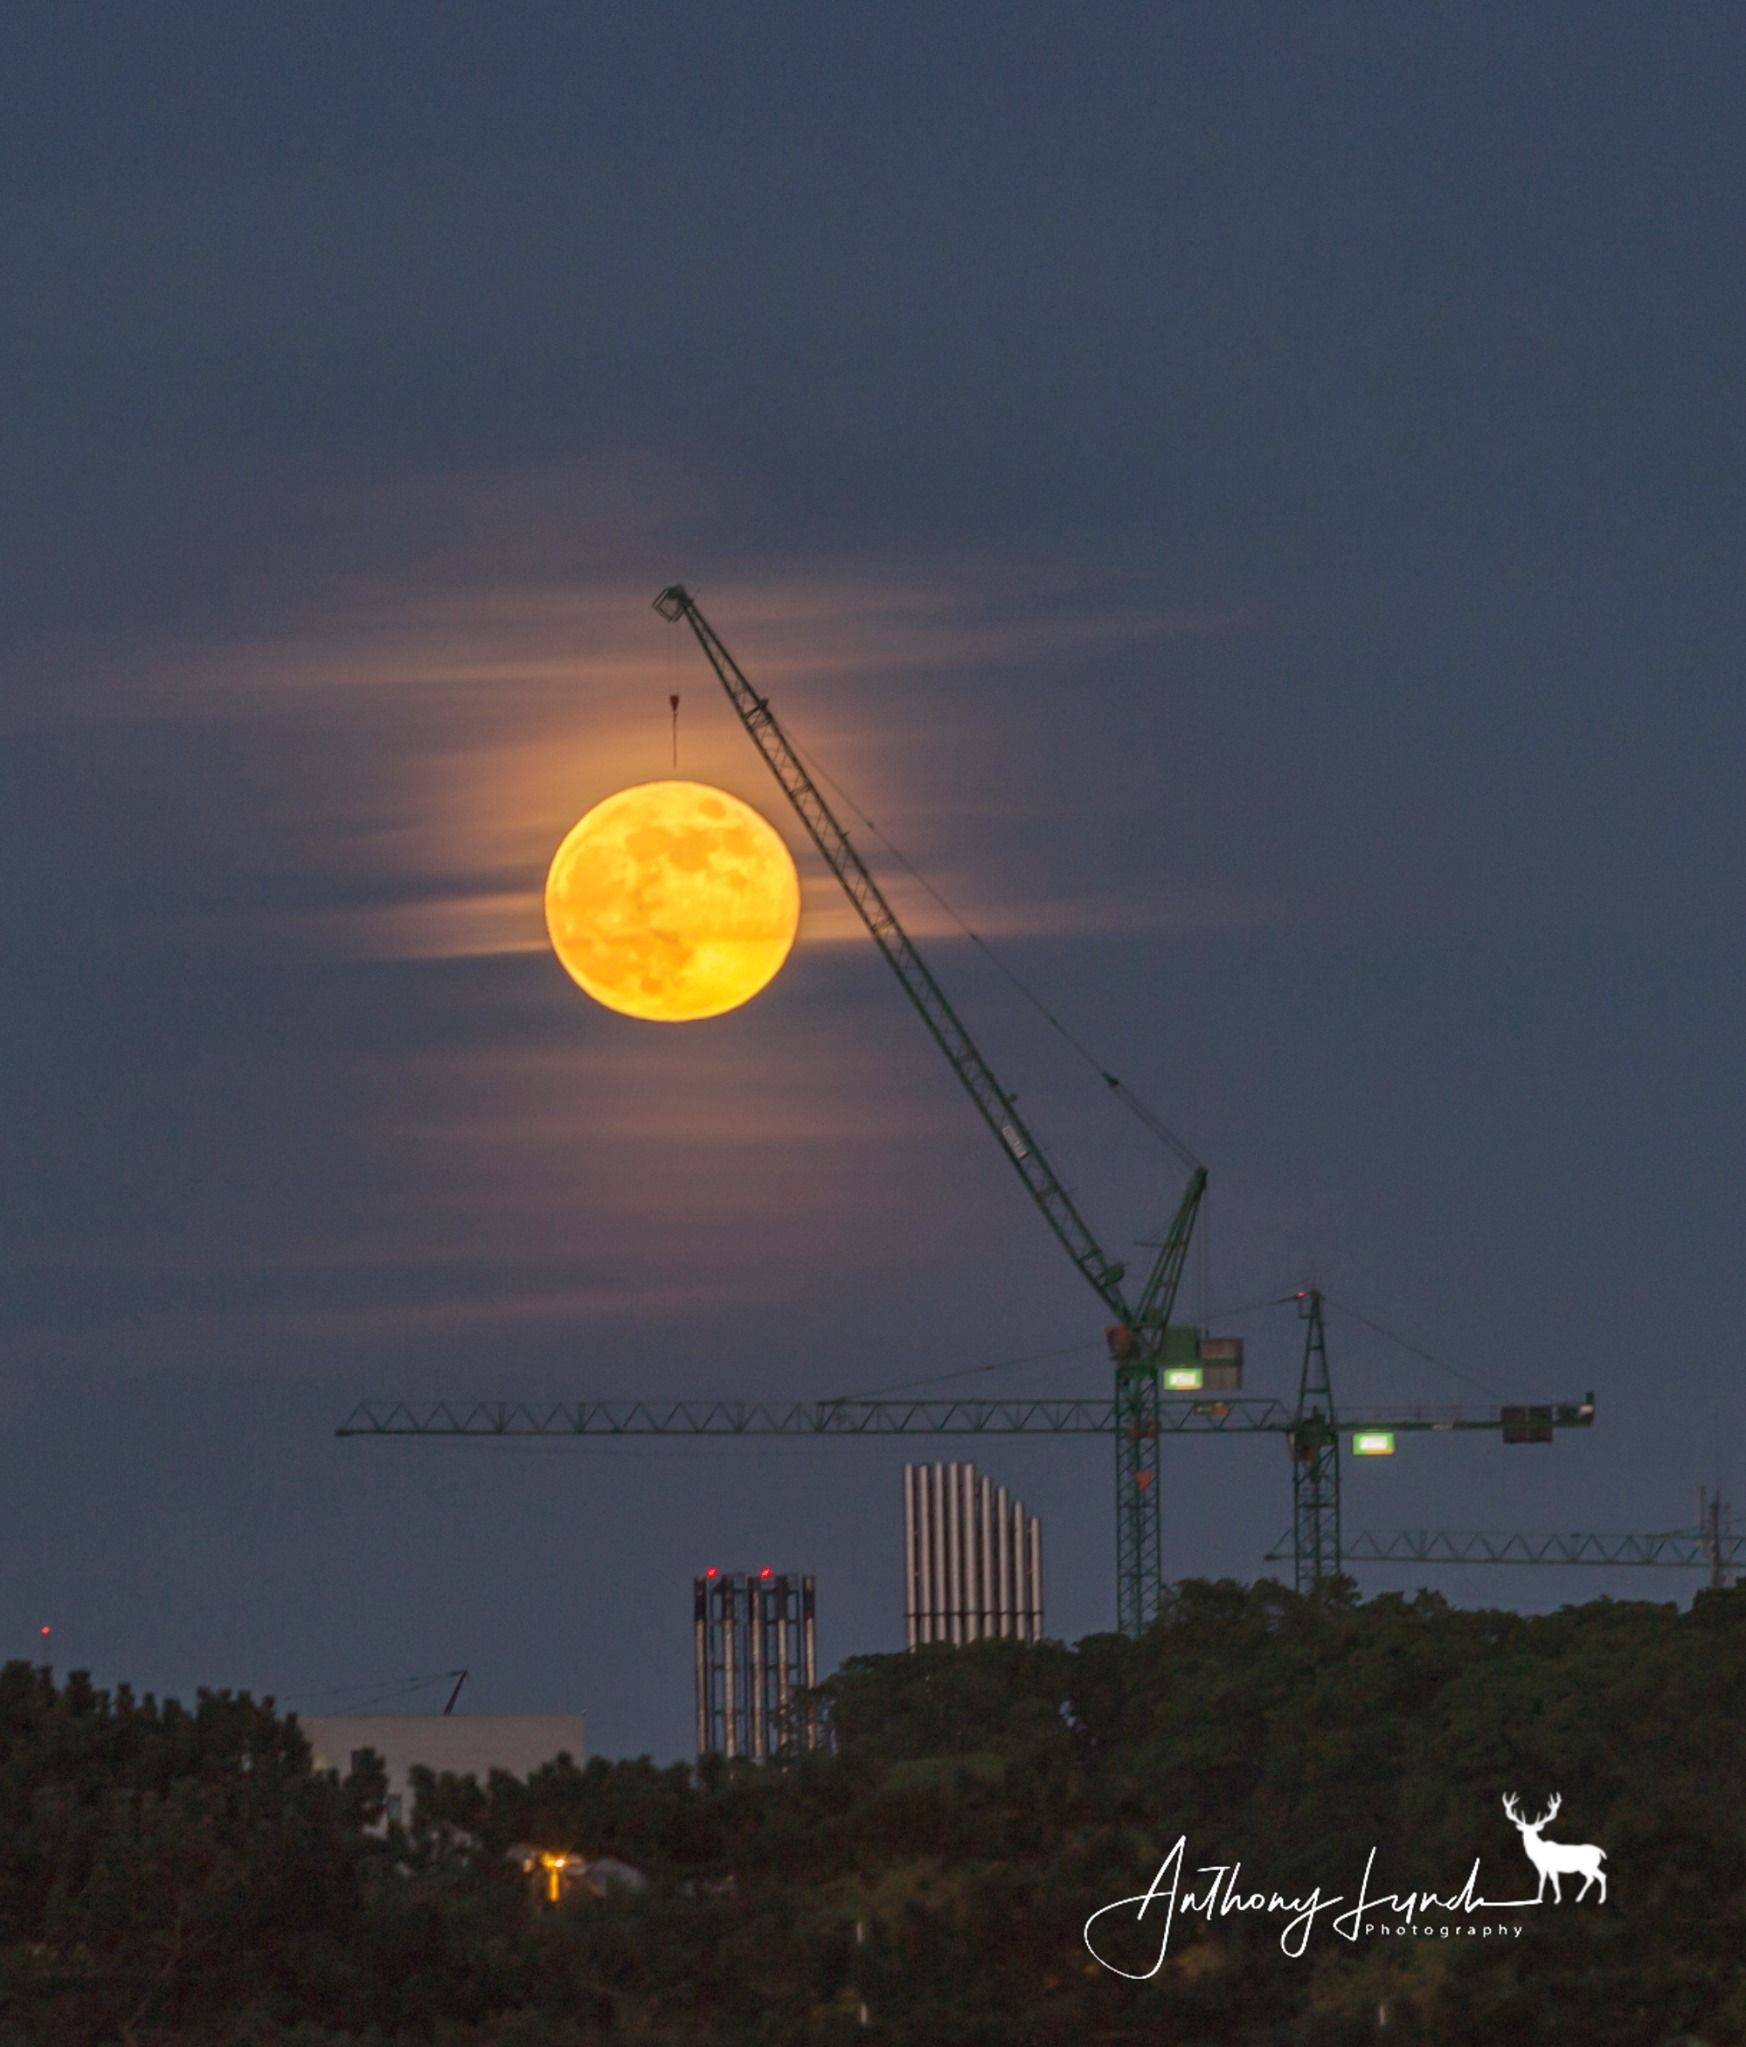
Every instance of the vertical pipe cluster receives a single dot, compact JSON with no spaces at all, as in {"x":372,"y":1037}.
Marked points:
{"x":972,"y":1558}
{"x":756,"y":1663}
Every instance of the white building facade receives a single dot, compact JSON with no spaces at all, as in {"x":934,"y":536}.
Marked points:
{"x":462,"y":1744}
{"x":972,"y":1559}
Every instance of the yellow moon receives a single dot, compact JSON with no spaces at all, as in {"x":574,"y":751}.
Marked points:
{"x":672,"y":901}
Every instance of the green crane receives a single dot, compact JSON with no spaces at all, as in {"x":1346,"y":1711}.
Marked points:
{"x":1142,"y":1341}
{"x":1163,"y":1371}
{"x":1314,"y":1543}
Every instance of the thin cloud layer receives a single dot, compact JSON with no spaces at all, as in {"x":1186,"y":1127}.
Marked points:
{"x":473,"y":714}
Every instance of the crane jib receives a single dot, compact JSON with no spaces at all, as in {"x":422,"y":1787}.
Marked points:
{"x":898,"y":949}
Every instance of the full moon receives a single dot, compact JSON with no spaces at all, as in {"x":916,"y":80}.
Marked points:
{"x":672,"y":901}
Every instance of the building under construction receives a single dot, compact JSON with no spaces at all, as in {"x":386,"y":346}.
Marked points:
{"x":972,"y":1558}
{"x":757,"y":1663}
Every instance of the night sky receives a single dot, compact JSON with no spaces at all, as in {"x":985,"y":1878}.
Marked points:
{"x":1249,"y":500}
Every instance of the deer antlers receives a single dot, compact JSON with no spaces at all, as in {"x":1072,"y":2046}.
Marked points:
{"x":1532,"y":1826}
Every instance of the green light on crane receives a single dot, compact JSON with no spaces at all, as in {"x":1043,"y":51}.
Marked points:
{"x":1373,"y":1443}
{"x":1184,"y":1378}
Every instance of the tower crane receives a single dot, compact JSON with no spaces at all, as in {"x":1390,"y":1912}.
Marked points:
{"x":1142,"y":1341}
{"x":1314,"y":1543}
{"x":1169,"y":1379}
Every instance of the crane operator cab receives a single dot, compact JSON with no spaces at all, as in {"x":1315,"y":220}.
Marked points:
{"x":1192,"y":1362}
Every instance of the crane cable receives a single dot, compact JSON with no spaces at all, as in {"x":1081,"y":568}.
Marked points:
{"x":1035,"y":1357}
{"x":1377,"y":1328}
{"x":1416,"y":1350}
{"x":1136,"y":1107}
{"x":377,"y":1688}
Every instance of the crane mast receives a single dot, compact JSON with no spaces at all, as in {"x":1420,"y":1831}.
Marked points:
{"x":1139,"y":1340}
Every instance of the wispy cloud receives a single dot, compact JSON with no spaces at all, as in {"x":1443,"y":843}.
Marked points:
{"x":494,"y":667}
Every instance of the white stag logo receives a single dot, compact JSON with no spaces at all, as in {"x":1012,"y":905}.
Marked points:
{"x":1558,"y":1858}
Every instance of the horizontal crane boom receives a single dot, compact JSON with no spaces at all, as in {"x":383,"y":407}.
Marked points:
{"x":1038,"y":1415}
{"x":1681,"y":1548}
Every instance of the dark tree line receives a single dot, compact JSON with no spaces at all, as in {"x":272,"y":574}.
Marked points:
{"x":179,"y":1877}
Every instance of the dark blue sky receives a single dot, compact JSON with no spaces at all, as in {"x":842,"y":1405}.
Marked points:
{"x":1248,"y":498}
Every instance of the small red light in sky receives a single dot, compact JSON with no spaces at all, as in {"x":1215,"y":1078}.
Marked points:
{"x":710,"y":1573}
{"x":44,"y":1631}
{"x":765,"y":1572}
